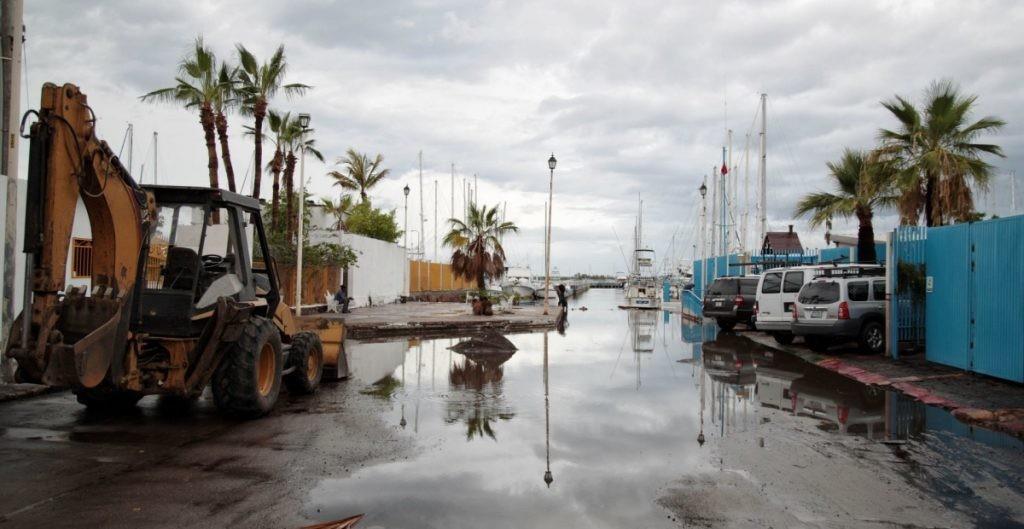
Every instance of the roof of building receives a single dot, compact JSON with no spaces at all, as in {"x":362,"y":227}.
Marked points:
{"x":782,"y":242}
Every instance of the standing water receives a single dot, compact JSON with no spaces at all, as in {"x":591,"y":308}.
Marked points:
{"x":639,"y":419}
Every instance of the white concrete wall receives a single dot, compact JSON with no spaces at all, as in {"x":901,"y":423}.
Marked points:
{"x":381,"y":272}
{"x":81,"y":229}
{"x":19,"y":261}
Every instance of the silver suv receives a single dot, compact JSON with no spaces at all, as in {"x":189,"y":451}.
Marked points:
{"x":840,"y":308}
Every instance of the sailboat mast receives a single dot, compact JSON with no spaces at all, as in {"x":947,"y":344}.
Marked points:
{"x":733,"y":181}
{"x":746,"y":194}
{"x":764,"y":166}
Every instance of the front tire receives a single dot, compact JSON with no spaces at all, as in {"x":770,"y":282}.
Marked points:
{"x":248,"y":380}
{"x":725,"y":325}
{"x":872,"y":338}
{"x":307,"y":357}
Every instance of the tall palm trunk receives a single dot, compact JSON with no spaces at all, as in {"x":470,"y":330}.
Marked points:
{"x":259,"y":112}
{"x":930,"y":183}
{"x":289,"y":174}
{"x":275,"y":168}
{"x":865,"y":236}
{"x":225,"y":153}
{"x":207,"y":121}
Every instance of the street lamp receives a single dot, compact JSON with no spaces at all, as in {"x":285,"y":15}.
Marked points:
{"x":547,"y":264}
{"x":703,"y":234}
{"x":304,"y":125}
{"x":405,"y":234}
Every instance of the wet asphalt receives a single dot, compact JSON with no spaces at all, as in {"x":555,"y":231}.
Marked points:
{"x":596,"y":427}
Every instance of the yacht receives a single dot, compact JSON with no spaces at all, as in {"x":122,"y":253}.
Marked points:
{"x":642,"y":288}
{"x":518,"y":282}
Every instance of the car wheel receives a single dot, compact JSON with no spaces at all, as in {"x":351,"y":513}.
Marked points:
{"x":783,"y":338}
{"x":725,"y":325}
{"x":872,"y":337}
{"x":817,"y":343}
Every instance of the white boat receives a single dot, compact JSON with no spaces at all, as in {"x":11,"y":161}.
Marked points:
{"x":642,"y":290}
{"x":518,"y":282}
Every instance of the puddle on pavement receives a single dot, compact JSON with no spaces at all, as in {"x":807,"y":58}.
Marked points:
{"x":588,"y":428}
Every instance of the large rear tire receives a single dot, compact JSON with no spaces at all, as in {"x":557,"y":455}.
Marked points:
{"x":307,"y":358}
{"x":248,"y":380}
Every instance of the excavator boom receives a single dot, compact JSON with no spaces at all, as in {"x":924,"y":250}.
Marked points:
{"x":65,"y":337}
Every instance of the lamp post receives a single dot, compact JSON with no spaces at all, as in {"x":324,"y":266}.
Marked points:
{"x":304,"y":125}
{"x":405,"y":243}
{"x":703,"y":234}
{"x":547,"y":261}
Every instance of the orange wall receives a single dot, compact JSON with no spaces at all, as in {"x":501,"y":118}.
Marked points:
{"x":425,"y":276}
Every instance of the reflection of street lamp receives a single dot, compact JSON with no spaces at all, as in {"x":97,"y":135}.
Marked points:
{"x":304,"y":125}
{"x":548,"y":478}
{"x":700,"y":436}
{"x":547,"y":265}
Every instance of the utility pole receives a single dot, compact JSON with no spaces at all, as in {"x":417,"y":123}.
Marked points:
{"x":435,"y":221}
{"x":154,"y":156}
{"x":763,"y":169}
{"x":12,"y":35}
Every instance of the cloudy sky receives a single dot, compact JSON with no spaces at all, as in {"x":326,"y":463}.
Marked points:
{"x":634,"y":98}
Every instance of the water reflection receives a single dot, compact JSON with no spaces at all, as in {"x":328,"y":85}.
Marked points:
{"x":492,"y":430}
{"x":475,"y":393}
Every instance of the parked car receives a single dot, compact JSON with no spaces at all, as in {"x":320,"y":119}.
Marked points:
{"x":730,"y":300}
{"x":777,"y":292}
{"x":844,"y":307}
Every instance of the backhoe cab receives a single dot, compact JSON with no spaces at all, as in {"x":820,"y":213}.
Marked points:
{"x":184,"y":290}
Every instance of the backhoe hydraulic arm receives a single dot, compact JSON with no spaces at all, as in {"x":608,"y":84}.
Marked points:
{"x":65,"y":337}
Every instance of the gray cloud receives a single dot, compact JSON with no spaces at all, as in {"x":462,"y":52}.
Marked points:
{"x":631,"y":98}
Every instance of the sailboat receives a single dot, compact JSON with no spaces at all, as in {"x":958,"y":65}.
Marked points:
{"x":642,"y":290}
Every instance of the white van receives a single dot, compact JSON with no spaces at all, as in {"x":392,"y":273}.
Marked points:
{"x":777,"y":292}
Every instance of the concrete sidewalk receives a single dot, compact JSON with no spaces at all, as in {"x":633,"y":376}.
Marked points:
{"x":15,"y":391}
{"x":438,"y":320}
{"x":975,"y":399}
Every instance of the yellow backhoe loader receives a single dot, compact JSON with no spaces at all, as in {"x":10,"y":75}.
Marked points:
{"x":178,"y":299}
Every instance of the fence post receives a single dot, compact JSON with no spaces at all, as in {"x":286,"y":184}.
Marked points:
{"x":891,"y":325}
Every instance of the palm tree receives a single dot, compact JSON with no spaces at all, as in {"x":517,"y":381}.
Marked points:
{"x":936,"y":154}
{"x":477,"y":244}
{"x":863,"y":184}
{"x":340,"y":209}
{"x":280,"y":125}
{"x":361,"y":174}
{"x":197,"y":85}
{"x":224,"y":101}
{"x":257,"y":84}
{"x":295,"y":140}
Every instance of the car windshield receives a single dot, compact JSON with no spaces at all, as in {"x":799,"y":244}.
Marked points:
{"x":820,"y":292}
{"x":723,"y":287}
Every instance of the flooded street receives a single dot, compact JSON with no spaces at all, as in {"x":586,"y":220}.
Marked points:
{"x":628,"y":419}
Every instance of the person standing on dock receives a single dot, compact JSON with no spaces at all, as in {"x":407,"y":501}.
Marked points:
{"x":562,"y":303}
{"x":341,"y":296}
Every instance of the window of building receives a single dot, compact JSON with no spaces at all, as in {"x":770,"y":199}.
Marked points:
{"x":81,"y":258}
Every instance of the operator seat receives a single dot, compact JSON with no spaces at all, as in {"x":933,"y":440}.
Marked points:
{"x":181,"y":268}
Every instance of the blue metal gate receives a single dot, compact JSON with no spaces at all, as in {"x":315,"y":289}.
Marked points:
{"x":906,"y":275}
{"x":997,"y":340}
{"x":948,"y":306}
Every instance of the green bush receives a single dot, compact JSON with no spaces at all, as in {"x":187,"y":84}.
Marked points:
{"x":373,"y":222}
